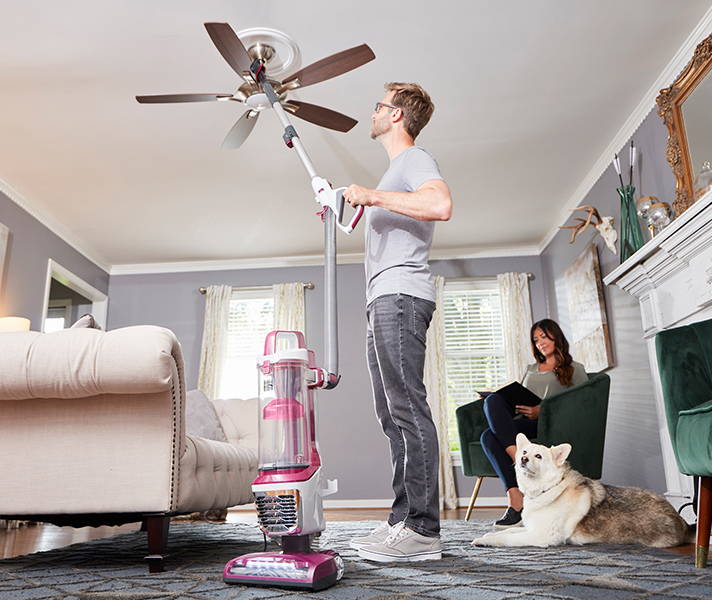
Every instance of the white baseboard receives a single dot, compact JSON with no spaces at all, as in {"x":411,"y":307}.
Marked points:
{"x":482,"y":501}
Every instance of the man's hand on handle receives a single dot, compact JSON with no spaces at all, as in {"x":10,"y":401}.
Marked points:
{"x":357,"y":195}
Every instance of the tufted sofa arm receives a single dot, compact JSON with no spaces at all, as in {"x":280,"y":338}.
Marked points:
{"x":78,"y":363}
{"x":93,"y":423}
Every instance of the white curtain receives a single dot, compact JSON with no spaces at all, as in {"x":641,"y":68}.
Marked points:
{"x":434,"y":378}
{"x":217,"y":313}
{"x":517,"y":321}
{"x":289,"y":306}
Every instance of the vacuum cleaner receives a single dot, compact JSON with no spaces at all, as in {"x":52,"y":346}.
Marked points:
{"x":290,"y":486}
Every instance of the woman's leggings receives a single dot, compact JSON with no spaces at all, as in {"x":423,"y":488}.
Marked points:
{"x":502,"y":432}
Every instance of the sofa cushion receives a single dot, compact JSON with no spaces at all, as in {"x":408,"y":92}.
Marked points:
{"x":86,"y":321}
{"x":239,"y":420}
{"x":694,"y":440}
{"x":700,"y":409}
{"x":201,"y":420}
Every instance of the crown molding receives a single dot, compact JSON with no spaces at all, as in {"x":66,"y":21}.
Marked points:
{"x":629,"y":127}
{"x":309,"y":260}
{"x":484,"y":252}
{"x":55,"y":227}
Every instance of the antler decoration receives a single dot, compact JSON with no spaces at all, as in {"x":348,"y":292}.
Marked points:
{"x":583,"y":223}
{"x":604,"y":226}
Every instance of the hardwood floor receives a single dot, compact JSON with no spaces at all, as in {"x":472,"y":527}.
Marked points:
{"x":38,"y":538}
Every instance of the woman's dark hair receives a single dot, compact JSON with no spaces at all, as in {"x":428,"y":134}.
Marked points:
{"x":564,"y":369}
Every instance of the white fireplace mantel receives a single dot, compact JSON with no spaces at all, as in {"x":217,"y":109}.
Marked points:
{"x":671,"y":276}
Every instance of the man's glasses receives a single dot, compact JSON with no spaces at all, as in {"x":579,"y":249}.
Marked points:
{"x":379,"y":104}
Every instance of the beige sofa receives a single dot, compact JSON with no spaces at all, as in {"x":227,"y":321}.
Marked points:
{"x":92,"y":432}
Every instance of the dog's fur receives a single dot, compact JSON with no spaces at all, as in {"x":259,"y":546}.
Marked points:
{"x":562,"y":506}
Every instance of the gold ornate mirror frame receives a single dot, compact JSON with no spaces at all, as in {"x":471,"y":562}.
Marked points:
{"x":670,"y":102}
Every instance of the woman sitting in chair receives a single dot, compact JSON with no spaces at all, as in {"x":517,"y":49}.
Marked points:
{"x":553,"y":371}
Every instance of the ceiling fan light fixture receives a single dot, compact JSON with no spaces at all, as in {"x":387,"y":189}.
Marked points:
{"x":279,"y":51}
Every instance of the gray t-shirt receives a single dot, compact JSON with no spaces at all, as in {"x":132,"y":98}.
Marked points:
{"x":545,"y":383}
{"x":397,"y":246}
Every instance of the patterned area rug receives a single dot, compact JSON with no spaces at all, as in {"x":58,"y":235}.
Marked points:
{"x":112,"y":569}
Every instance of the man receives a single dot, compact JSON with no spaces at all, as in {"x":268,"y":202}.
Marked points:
{"x":400,"y":299}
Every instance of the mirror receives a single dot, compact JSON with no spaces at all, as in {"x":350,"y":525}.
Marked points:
{"x":697,"y":118}
{"x":684,"y":108}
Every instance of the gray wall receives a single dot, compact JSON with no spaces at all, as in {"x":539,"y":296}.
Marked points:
{"x":352,"y":444}
{"x":30,"y":246}
{"x":632,"y":453}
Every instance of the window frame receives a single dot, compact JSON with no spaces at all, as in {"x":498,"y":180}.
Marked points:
{"x":462,"y":284}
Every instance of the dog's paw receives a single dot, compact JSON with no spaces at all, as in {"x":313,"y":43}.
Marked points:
{"x":483,"y":541}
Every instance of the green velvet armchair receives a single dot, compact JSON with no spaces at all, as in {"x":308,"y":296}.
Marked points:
{"x":685,"y":364}
{"x":577,"y":415}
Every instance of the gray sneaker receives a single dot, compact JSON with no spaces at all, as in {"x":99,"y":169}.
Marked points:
{"x":403,"y":545}
{"x":378,"y":535}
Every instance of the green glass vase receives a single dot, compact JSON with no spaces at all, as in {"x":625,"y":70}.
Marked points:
{"x":631,"y":235}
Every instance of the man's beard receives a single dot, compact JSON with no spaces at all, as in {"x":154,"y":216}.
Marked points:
{"x":378,"y":128}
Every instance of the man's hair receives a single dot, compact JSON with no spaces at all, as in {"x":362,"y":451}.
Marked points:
{"x":415,"y":103}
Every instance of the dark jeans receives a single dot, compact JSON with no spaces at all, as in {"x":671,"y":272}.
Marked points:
{"x":397,"y":324}
{"x":502,"y":432}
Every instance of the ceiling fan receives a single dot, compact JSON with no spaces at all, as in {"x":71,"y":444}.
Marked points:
{"x":247,"y":62}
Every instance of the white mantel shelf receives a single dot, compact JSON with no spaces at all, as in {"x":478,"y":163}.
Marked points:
{"x":671,"y":276}
{"x":678,"y":254}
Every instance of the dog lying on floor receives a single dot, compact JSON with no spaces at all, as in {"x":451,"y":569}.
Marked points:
{"x":562,"y":506}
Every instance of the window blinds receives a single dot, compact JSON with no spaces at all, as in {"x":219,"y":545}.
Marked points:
{"x":474,"y":343}
{"x":251,"y":318}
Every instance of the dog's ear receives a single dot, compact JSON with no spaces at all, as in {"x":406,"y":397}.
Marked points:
{"x":522,"y":440}
{"x":560,"y":453}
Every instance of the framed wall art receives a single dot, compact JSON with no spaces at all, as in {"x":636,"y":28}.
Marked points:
{"x":590,"y":340}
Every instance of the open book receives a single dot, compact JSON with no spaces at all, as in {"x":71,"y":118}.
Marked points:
{"x":516,"y":394}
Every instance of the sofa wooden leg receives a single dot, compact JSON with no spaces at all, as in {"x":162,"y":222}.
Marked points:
{"x":704,"y":522}
{"x":157,"y":528}
{"x":476,"y":491}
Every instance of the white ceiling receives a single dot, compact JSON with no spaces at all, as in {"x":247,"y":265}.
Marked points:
{"x":528,"y":95}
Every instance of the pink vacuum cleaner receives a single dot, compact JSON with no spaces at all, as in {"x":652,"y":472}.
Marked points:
{"x":290,"y":486}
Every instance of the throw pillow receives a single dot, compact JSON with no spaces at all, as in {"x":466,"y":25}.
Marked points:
{"x":86,"y":322}
{"x":201,"y":420}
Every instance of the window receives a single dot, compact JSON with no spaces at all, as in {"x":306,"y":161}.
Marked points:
{"x":251,"y":319}
{"x":474,"y":344}
{"x":59,"y":315}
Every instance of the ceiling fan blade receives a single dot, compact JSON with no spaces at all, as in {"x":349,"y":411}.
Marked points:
{"x":159,"y":99}
{"x":230,"y":46}
{"x":321,"y":116}
{"x":240,"y":130}
{"x":333,"y":65}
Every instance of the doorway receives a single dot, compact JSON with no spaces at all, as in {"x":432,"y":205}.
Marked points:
{"x":68,"y":297}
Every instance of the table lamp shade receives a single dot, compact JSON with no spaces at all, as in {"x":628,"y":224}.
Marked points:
{"x":14,"y":324}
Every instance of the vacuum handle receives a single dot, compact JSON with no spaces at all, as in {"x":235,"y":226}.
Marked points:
{"x":327,"y":196}
{"x":358,"y":213}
